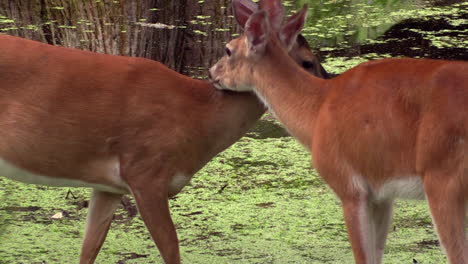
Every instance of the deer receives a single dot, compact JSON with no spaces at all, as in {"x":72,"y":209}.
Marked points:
{"x":385,"y":129}
{"x":119,"y":125}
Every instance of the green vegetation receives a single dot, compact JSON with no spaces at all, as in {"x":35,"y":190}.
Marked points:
{"x":257,"y":202}
{"x":349,"y":22}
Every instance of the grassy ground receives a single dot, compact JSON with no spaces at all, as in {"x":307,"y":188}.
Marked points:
{"x":258,"y":202}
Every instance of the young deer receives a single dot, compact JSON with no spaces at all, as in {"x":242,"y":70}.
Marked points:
{"x":384,"y":129}
{"x":116,"y":124}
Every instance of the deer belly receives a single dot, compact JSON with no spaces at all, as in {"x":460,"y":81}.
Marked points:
{"x":178,"y":181}
{"x":405,"y":188}
{"x":13,"y":172}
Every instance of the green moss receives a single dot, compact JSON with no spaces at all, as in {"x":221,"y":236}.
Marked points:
{"x":257,"y":202}
{"x":338,"y":23}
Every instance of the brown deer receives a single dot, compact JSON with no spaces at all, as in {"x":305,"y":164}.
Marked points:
{"x":385,"y":129}
{"x":118,"y":125}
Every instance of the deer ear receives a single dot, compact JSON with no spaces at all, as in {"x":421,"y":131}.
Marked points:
{"x":293,"y":27}
{"x":243,"y":9}
{"x":257,"y":30}
{"x":275,"y":11}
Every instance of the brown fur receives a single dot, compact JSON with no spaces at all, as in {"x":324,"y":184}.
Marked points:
{"x":380,"y":121}
{"x":68,"y":114}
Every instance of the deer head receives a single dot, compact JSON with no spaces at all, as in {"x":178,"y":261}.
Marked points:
{"x":233,"y":71}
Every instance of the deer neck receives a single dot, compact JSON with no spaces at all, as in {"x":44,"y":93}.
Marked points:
{"x":233,"y":113}
{"x":289,"y":91}
{"x":238,"y":113}
{"x":231,"y":116}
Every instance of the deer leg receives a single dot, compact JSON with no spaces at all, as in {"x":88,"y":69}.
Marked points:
{"x":101,"y":210}
{"x":447,"y":204}
{"x":359,"y":223}
{"x":153,"y":205}
{"x":382,"y":217}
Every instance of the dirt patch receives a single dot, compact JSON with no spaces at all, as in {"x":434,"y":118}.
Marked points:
{"x":265,"y":205}
{"x":21,"y":209}
{"x":128,"y":256}
{"x":428,"y":243}
{"x":267,"y":129}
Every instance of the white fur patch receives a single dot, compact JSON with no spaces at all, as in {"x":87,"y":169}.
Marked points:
{"x":10,"y":171}
{"x":367,"y":232}
{"x":406,"y":188}
{"x":410,"y":187}
{"x":359,"y":183}
{"x":178,"y":182}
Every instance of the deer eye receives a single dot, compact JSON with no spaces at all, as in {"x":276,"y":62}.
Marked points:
{"x":228,"y":51}
{"x":307,"y":64}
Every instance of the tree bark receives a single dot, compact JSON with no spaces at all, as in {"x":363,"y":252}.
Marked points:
{"x":204,"y":27}
{"x":186,"y":35}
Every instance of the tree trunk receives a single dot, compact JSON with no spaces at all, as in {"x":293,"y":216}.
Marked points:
{"x":186,"y":35}
{"x":203,"y":28}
